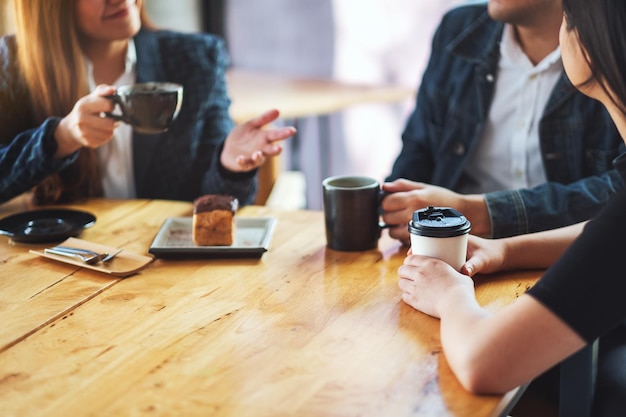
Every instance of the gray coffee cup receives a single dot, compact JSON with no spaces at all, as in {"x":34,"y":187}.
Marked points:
{"x":148,"y":107}
{"x":351,"y":212}
{"x":440,"y":232}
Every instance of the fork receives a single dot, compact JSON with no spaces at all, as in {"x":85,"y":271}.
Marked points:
{"x":108,"y":256}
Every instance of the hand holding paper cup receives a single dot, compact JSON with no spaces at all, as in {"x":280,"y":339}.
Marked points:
{"x":440,"y":232}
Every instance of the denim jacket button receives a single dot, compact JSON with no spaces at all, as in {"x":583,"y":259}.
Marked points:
{"x":489,"y":78}
{"x":458,"y":149}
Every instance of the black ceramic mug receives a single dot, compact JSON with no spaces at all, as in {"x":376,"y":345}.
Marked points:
{"x":352,"y":212}
{"x":148,"y":107}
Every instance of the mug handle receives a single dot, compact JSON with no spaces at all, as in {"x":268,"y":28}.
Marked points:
{"x":381,"y":195}
{"x":115,"y":98}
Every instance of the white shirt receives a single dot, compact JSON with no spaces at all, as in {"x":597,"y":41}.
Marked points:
{"x":508,"y":155}
{"x":116,"y":157}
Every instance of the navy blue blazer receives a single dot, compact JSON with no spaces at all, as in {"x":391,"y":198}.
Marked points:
{"x":180,"y":164}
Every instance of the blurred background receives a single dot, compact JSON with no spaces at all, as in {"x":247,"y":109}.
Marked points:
{"x":381,"y":42}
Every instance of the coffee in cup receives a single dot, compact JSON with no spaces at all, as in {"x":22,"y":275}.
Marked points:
{"x":440,"y":232}
{"x":148,"y":107}
{"x":351,"y":212}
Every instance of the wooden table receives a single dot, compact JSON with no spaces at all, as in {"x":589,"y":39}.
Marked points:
{"x":304,"y":330}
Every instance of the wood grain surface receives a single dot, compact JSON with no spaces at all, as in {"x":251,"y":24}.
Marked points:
{"x":302,"y":331}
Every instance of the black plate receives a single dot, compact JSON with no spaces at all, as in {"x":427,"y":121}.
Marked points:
{"x":39,"y":226}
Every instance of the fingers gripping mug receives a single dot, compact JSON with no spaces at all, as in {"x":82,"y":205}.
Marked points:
{"x":440,"y":232}
{"x":148,"y":107}
{"x":351,"y":212}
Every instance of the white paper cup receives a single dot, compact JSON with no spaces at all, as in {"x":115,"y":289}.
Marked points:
{"x":440,"y":232}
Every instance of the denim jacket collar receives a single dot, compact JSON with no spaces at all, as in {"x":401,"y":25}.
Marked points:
{"x":480,"y":44}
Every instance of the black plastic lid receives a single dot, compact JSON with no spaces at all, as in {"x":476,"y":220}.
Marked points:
{"x":438,"y":222}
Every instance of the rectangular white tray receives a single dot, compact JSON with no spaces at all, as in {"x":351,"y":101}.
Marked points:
{"x":252,"y":239}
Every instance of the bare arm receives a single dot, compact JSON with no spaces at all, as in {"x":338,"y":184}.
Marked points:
{"x":488,"y":353}
{"x":529,"y":251}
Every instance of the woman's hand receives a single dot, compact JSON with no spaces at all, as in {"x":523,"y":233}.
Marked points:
{"x":528,"y":251}
{"x":85,"y":126}
{"x":427,"y":283}
{"x":484,"y":256}
{"x":248,"y":144}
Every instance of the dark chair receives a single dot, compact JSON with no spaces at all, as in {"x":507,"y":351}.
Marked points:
{"x":578,"y":381}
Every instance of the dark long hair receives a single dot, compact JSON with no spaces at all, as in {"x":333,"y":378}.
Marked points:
{"x":601,"y":29}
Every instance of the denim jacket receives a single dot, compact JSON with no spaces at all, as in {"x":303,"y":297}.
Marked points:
{"x":180,"y":164}
{"x":578,"y":139}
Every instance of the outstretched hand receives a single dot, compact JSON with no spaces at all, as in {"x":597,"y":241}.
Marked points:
{"x":248,"y":144}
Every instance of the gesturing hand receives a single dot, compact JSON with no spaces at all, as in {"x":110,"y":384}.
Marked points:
{"x":248,"y":144}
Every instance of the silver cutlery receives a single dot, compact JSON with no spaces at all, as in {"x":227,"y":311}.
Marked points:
{"x":110,"y":256}
{"x":88,"y":258}
{"x":86,"y":255}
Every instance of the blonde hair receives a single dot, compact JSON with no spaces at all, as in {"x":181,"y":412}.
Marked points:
{"x":53,"y":70}
{"x":50,"y":56}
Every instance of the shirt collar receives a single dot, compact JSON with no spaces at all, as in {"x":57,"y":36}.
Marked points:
{"x":511,"y":51}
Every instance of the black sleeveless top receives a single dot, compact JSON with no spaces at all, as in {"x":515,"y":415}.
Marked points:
{"x":586,"y":287}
